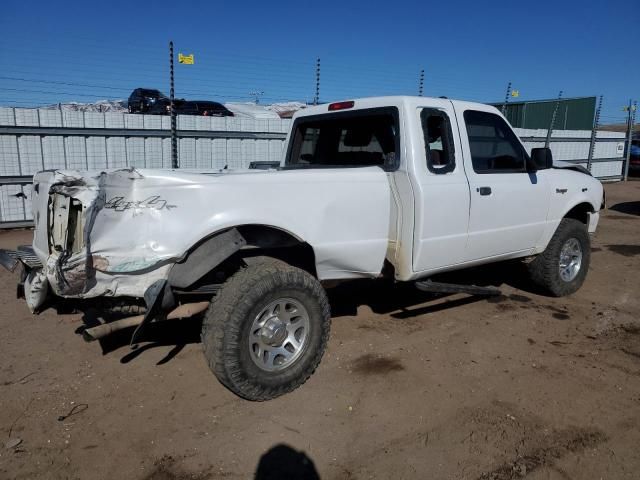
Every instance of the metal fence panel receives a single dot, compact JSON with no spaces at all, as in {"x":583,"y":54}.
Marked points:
{"x":9,"y":160}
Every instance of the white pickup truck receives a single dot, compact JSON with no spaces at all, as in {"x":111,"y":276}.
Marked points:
{"x":404,"y":187}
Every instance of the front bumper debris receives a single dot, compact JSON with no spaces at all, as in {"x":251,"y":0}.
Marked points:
{"x":33,"y":285}
{"x":10,"y":259}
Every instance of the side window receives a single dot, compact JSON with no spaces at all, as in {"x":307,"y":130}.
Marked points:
{"x":494,"y":146}
{"x":438,"y":141}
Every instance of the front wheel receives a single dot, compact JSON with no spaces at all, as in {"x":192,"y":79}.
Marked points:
{"x":562,"y":267}
{"x":266,"y":329}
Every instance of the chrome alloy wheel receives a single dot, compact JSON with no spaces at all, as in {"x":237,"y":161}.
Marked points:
{"x":279,"y":334}
{"x":570,"y":259}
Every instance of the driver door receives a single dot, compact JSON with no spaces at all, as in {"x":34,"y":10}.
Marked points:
{"x":509,"y":205}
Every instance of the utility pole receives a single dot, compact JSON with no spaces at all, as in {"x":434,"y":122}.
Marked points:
{"x":553,"y":120}
{"x":172,"y":111}
{"x":256,"y":96}
{"x":421,"y":83}
{"x":594,"y":133}
{"x":631,"y":117}
{"x":506,"y":100}
{"x":316,"y":99}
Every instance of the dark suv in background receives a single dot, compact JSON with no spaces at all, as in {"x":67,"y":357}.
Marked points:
{"x":154,"y":102}
{"x":190,"y":107}
{"x":142,"y":99}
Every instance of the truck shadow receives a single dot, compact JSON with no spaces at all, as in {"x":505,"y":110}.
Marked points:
{"x":175,"y":333}
{"x":631,"y":208}
{"x":383,"y":296}
{"x":395,"y":298}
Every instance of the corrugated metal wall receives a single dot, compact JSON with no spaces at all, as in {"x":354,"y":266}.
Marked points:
{"x":26,"y":154}
{"x":573,"y":113}
{"x":573,"y":146}
{"x":44,"y":140}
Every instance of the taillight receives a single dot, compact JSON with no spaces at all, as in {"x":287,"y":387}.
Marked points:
{"x":341,"y":105}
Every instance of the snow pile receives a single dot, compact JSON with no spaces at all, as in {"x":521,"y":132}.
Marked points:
{"x":286,"y":109}
{"x":239,"y":109}
{"x":250,"y":110}
{"x":99,"y":106}
{"x":255,"y":110}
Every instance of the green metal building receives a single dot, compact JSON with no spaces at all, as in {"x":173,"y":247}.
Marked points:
{"x":573,"y":113}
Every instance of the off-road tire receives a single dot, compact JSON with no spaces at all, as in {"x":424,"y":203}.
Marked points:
{"x":544,"y":269}
{"x":229,"y":318}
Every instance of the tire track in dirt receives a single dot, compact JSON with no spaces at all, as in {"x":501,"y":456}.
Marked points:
{"x":559,"y":445}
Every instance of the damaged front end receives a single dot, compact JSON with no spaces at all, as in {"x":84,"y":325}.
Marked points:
{"x":117,"y":235}
{"x":65,"y":259}
{"x":90,"y":248}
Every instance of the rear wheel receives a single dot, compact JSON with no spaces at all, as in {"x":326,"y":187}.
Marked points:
{"x":266,"y":329}
{"x":562,"y":267}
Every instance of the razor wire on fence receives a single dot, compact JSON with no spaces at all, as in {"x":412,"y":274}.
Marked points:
{"x":98,"y":70}
{"x":216,"y":75}
{"x":33,"y":139}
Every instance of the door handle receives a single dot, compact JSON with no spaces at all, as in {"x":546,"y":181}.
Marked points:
{"x":484,"y":190}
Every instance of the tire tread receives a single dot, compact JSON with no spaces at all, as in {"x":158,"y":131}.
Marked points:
{"x":543,"y":270}
{"x":221,"y":324}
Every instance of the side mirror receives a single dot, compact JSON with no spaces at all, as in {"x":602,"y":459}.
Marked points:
{"x":541,"y":159}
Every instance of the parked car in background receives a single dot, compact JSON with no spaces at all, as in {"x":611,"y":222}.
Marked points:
{"x":142,"y":99}
{"x":190,"y":107}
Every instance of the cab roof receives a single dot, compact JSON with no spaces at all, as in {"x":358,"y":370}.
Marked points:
{"x":390,"y":101}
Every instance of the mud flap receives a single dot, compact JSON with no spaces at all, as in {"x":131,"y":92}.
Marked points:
{"x":7,"y":260}
{"x":159,"y":299}
{"x":10,"y":259}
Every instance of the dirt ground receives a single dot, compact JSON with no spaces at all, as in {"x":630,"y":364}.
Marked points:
{"x":411,"y":386}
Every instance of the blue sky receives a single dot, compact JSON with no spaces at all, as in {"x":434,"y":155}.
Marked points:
{"x":85,"y":51}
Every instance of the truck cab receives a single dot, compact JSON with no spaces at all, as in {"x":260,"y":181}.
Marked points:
{"x":463,"y":189}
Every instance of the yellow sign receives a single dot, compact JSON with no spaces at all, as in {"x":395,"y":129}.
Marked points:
{"x":515,"y":93}
{"x":186,"y":59}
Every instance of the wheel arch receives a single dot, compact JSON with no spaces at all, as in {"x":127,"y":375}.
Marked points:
{"x":580,"y":212}
{"x":278,"y":243}
{"x":579,"y":209}
{"x":232,"y":244}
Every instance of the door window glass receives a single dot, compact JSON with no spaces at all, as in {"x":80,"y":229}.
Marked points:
{"x":438,"y":141}
{"x":494,"y":146}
